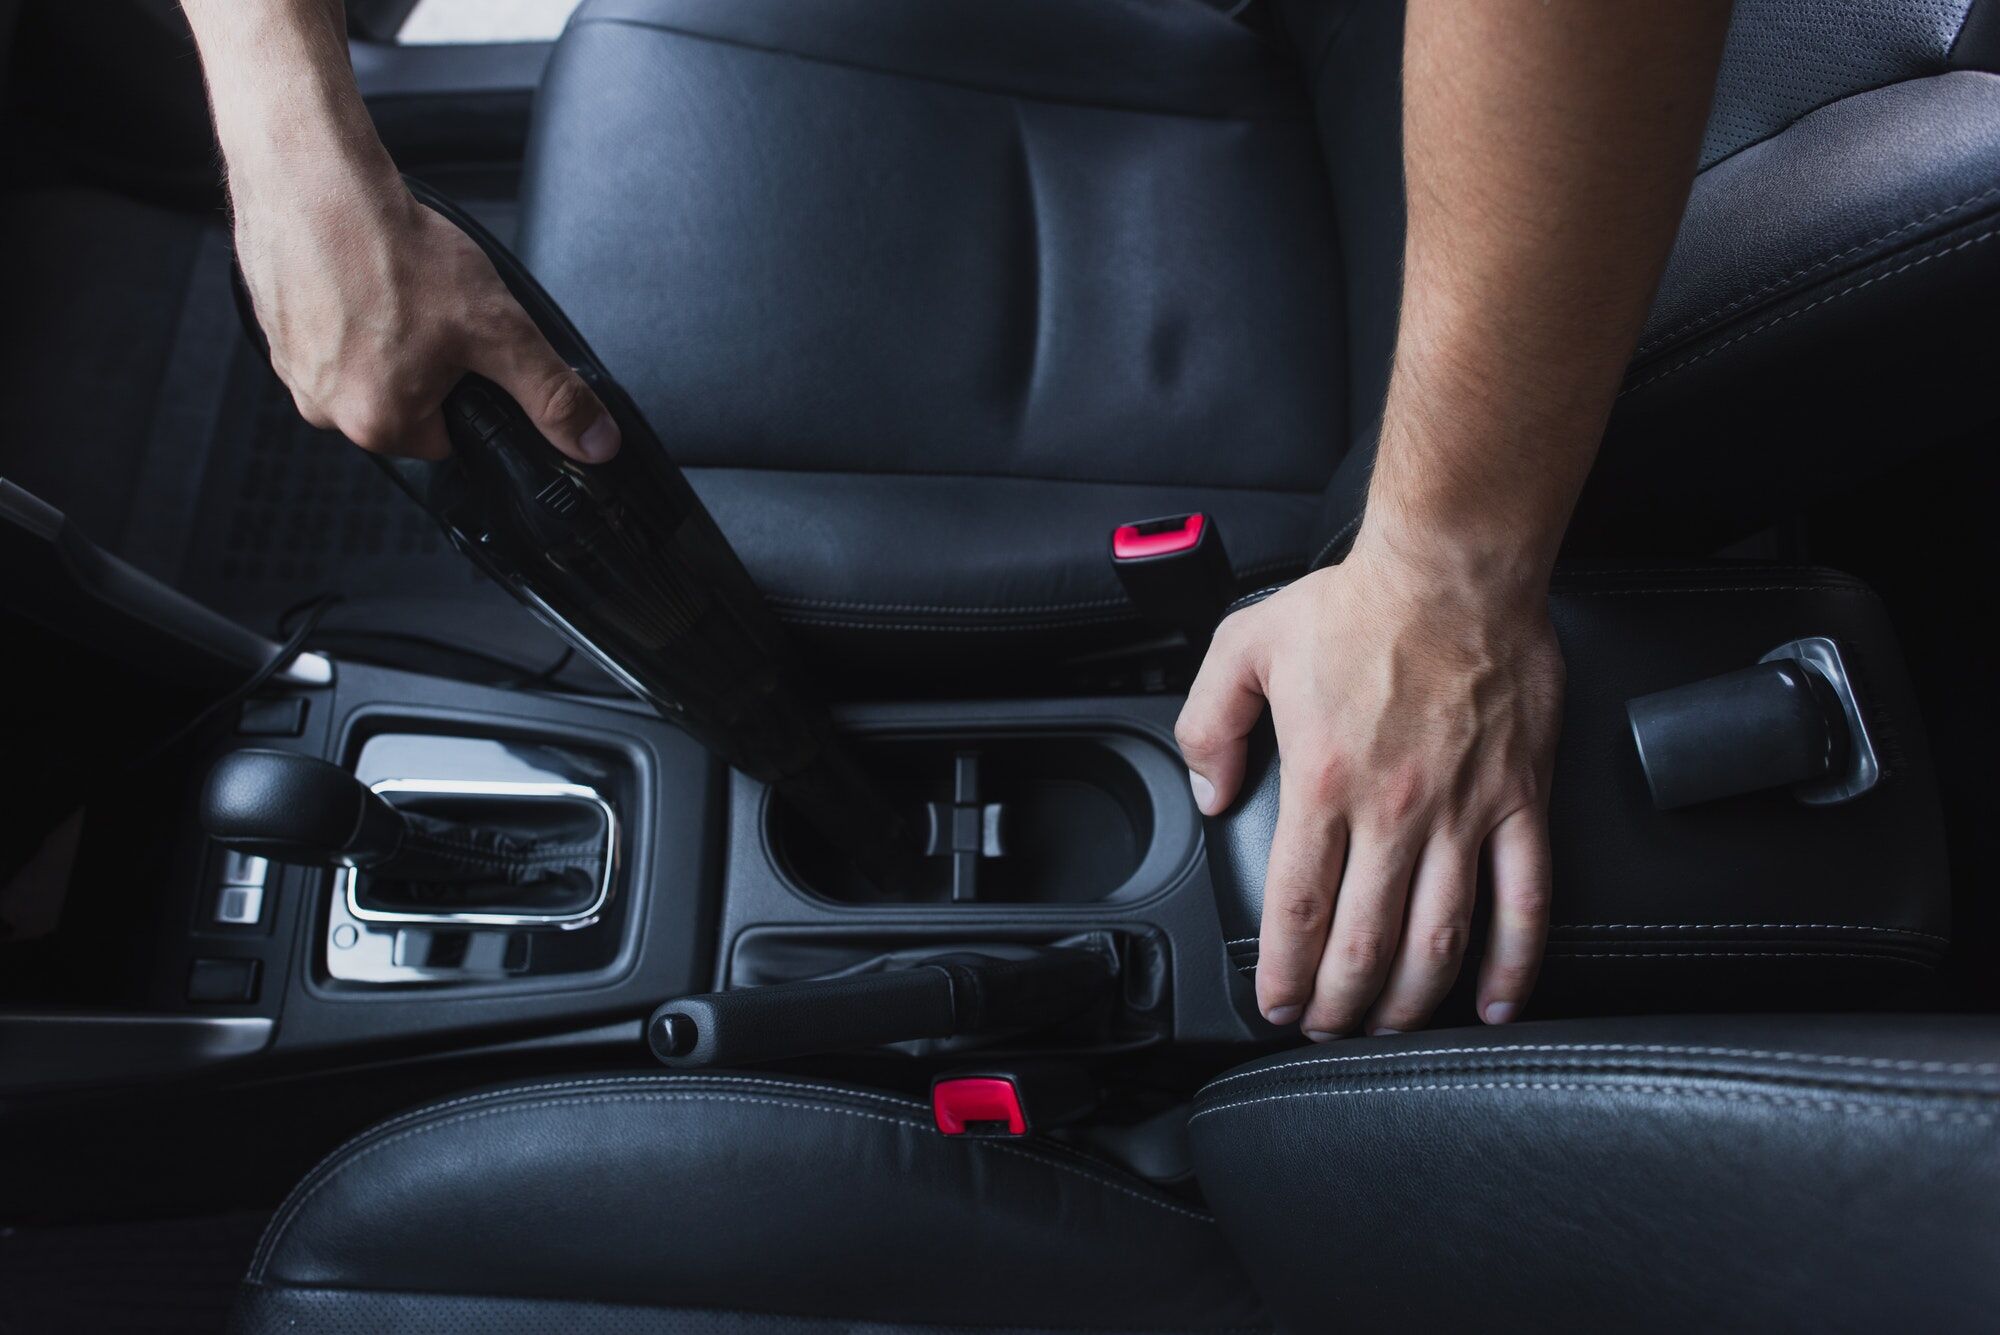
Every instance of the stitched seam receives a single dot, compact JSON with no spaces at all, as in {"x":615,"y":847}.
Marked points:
{"x":1334,"y":541}
{"x":691,"y":1083}
{"x":1661,"y":340}
{"x":1761,"y":569}
{"x":942,"y":475}
{"x":1813,"y":305}
{"x":984,"y":89}
{"x":761,"y":1318}
{"x":1252,"y":598}
{"x":835,"y":604}
{"x":1858,"y":589}
{"x":1641,"y":591}
{"x":1848,"y":1108}
{"x":1800,"y":955}
{"x":1880,"y":957}
{"x":950,"y":609}
{"x":1705,"y":927}
{"x":1639,"y":1049}
{"x":1744,"y":926}
{"x":930,"y":627}
{"x":294,"y":1207}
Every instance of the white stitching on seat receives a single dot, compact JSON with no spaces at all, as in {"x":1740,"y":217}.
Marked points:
{"x":1678,"y":1091}
{"x":1715,"y":954}
{"x":1661,"y":340}
{"x":1648,"y":590}
{"x":1707,"y":927}
{"x":1735,"y":954}
{"x":1813,"y":305}
{"x":1743,"y":926}
{"x":1638,"y":1049}
{"x":998,"y":626}
{"x":339,"y":1162}
{"x":692,"y":1083}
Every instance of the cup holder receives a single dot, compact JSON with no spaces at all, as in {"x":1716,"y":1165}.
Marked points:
{"x":1068,"y":818}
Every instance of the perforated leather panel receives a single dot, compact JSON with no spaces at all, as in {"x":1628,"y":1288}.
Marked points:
{"x":1785,"y":58}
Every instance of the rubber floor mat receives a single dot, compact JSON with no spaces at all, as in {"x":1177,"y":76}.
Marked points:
{"x":287,"y":512}
{"x":150,"y":1278}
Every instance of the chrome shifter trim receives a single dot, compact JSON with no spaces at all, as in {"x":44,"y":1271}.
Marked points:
{"x":347,"y":882}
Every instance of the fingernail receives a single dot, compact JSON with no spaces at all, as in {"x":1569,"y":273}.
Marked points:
{"x":600,"y":442}
{"x":1382,"y":1030}
{"x":1283,"y":1014}
{"x":1499,"y":1012}
{"x":1320,"y":1035}
{"x":1204,"y":792}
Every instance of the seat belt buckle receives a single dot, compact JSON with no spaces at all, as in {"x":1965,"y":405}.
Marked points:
{"x":1009,"y":1101}
{"x":1176,"y":572}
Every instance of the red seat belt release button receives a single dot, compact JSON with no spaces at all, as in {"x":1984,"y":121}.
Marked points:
{"x":978,"y":1106}
{"x":1175,"y":572}
{"x":1157,"y":538}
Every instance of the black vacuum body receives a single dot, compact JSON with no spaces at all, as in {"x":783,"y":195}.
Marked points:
{"x":625,"y":562}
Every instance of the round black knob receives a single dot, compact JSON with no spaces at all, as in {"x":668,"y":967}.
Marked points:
{"x":672,"y":1034}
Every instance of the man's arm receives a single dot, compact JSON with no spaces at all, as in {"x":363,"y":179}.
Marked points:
{"x":1416,"y":687}
{"x":374,"y":306}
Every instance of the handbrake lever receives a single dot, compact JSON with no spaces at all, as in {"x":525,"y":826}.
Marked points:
{"x":939,"y":998}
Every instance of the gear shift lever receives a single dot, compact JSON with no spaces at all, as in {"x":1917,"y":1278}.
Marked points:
{"x":539,"y":858}
{"x":298,"y":809}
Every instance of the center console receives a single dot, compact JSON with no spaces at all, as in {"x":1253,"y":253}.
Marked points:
{"x":714,"y":866}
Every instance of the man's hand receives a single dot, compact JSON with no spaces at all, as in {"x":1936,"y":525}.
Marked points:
{"x":1416,"y":705}
{"x":1415,"y":687}
{"x":374,"y":305}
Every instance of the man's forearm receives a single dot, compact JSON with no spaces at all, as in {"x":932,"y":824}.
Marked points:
{"x":282,"y":89}
{"x":1548,"y":150}
{"x":374,"y":306}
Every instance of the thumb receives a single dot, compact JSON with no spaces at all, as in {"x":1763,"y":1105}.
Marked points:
{"x":1222,"y":707}
{"x":550,"y":391}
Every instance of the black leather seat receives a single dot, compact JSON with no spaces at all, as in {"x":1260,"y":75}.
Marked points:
{"x":1745,"y":1174}
{"x":695,"y":1203}
{"x":931,"y":294}
{"x":1639,"y":1175}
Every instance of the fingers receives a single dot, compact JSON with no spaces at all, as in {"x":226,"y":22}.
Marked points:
{"x":1521,"y":883}
{"x":1222,"y":707}
{"x":1434,"y":935}
{"x":1308,"y":852}
{"x":553,"y":395}
{"x":1367,"y":925}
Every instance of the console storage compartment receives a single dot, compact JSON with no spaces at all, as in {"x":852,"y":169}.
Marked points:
{"x":1769,"y":899}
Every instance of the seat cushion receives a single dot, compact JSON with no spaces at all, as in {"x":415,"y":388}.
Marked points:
{"x":1635,"y":1175}
{"x":691,"y":1203}
{"x":929,"y":297}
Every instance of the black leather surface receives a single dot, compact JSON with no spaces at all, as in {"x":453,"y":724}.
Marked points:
{"x":740,"y":1194}
{"x":1823,"y":314}
{"x":1756,"y":901}
{"x":944,"y":292}
{"x":1743,"y":1174}
{"x":343,"y":1312}
{"x":929,"y":295}
{"x":1786,"y":58}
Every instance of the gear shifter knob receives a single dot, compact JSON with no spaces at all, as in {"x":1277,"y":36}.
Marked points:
{"x":298,"y":809}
